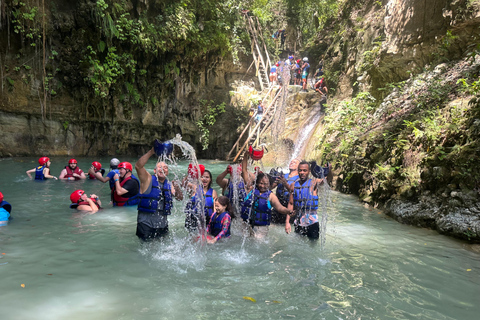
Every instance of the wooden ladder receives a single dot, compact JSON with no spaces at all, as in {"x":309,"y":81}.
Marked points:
{"x":262,"y":65}
{"x":256,"y":131}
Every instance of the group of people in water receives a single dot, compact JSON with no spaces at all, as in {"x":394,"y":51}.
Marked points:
{"x":247,"y":195}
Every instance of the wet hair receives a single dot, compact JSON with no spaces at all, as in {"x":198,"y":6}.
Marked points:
{"x":304,"y":162}
{"x":260,"y":176}
{"x":211,"y":178}
{"x":224,"y":201}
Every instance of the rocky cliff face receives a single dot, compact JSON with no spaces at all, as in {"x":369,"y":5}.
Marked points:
{"x":401,"y":125}
{"x":110,"y":78}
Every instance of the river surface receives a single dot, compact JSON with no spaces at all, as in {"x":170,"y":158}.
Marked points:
{"x":59,"y":264}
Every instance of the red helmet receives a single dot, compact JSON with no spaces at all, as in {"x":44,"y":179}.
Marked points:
{"x":72,"y":161}
{"x":43,"y":160}
{"x":76,"y":195}
{"x":125,"y":165}
{"x":192,"y":171}
{"x":239,"y":169}
{"x":277,"y":65}
{"x":1,"y":197}
{"x":97,"y":165}
{"x":298,"y":61}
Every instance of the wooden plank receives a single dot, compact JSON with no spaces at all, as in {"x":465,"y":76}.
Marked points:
{"x":258,"y":124}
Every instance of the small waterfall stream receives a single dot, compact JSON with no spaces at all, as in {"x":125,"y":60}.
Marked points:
{"x":305,"y":136}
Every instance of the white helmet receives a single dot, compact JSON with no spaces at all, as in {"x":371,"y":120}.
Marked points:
{"x":114,"y":163}
{"x":305,"y":59}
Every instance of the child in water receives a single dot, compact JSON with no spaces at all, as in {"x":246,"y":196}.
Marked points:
{"x":5,"y":210}
{"x":220,"y":220}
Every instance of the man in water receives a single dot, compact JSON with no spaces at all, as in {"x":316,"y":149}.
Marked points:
{"x":305,"y":204}
{"x":72,"y":172}
{"x":284,"y":186}
{"x":156,"y":195}
{"x":127,"y":186}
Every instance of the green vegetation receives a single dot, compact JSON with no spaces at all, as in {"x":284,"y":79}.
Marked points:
{"x":392,"y":147}
{"x":210,"y":113}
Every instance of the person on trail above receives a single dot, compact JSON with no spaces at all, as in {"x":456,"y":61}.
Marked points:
{"x":259,"y":115}
{"x":81,"y":201}
{"x":288,"y":62}
{"x":305,"y":71}
{"x":283,"y":35}
{"x":156,"y":198}
{"x":72,"y":172}
{"x":257,"y":207}
{"x":321,"y":86}
{"x":319,"y":72}
{"x":297,"y":69}
{"x":42,"y":172}
{"x":273,"y":73}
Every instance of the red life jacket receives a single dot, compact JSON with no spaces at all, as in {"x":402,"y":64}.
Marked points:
{"x":119,"y":200}
{"x":70,"y":172}
{"x":84,"y":203}
{"x":91,"y":176}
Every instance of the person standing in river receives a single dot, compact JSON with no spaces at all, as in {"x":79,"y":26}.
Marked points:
{"x":72,"y":172}
{"x":284,"y":186}
{"x":304,"y":204}
{"x":257,"y":207}
{"x":233,"y":188}
{"x":321,"y":88}
{"x":156,"y":199}
{"x":42,"y":172}
{"x":126,"y":188}
{"x":109,"y":177}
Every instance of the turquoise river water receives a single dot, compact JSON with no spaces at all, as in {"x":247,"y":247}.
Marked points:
{"x":56,"y":263}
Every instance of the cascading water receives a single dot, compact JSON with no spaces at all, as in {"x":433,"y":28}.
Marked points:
{"x":305,"y":136}
{"x":191,"y":184}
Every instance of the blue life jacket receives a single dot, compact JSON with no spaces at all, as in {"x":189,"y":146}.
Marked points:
{"x":303,"y":200}
{"x":209,"y":202}
{"x":241,"y":192}
{"x":110,"y":175}
{"x":39,"y":173}
{"x":282,"y":193}
{"x":149,"y":202}
{"x":216,"y":224}
{"x":7,"y":206}
{"x":273,"y":69}
{"x":193,"y":205}
{"x":258,"y":210}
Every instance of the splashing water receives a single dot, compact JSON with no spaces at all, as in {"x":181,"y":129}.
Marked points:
{"x":191,"y":184}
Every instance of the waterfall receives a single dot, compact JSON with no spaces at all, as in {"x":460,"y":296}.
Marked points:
{"x":305,"y":135}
